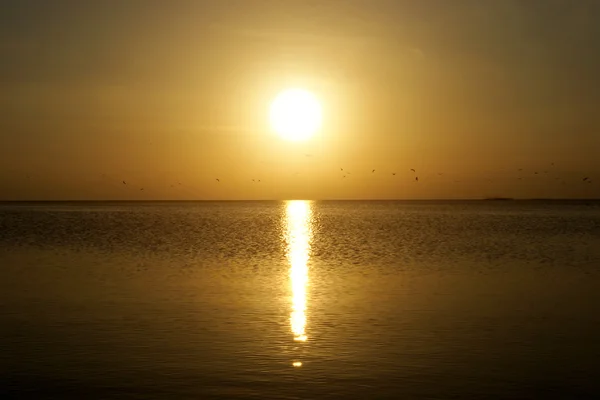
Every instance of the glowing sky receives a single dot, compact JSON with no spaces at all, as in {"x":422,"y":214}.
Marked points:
{"x":176,"y":93}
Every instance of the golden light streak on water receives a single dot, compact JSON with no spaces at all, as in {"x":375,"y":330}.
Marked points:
{"x":298,"y":238}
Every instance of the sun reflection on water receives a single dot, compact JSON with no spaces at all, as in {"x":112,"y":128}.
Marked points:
{"x":298,"y":237}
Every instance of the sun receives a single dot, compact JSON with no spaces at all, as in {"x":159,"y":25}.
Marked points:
{"x":295,"y":114}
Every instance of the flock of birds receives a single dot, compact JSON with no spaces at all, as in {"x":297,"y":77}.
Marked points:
{"x":345,"y":173}
{"x":373,"y":171}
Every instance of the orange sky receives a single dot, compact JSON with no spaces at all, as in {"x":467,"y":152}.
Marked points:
{"x":177,"y":94}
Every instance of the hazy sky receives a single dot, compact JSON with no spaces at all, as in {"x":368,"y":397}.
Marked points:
{"x":161,"y":93}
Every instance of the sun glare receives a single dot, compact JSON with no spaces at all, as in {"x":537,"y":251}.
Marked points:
{"x":299,"y":232}
{"x":295,"y":114}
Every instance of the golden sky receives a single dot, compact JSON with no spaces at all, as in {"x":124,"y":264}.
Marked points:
{"x":169,"y":96}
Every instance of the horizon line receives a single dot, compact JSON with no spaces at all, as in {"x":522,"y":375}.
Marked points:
{"x":501,"y":200}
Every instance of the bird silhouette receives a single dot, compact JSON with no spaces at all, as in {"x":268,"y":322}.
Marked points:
{"x":586,"y":178}
{"x":417,"y":178}
{"x":372,"y":171}
{"x":141,"y":189}
{"x":413,"y":170}
{"x":341,"y":169}
{"x":393,"y":173}
{"x":217,"y":179}
{"x":124,"y":183}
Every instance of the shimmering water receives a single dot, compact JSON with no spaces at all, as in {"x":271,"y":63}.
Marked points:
{"x":365,"y":300}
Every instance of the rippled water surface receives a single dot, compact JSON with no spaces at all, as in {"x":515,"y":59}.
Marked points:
{"x":423,"y":300}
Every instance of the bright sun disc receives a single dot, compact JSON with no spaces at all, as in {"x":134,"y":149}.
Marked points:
{"x":295,"y":114}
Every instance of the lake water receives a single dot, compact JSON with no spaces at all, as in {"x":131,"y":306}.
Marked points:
{"x":289,"y":300}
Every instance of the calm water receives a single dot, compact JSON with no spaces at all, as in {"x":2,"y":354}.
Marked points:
{"x":423,"y":300}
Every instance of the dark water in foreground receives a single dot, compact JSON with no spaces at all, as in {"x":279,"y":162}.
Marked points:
{"x":365,"y":300}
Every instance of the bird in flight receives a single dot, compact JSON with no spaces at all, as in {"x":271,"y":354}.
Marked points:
{"x":413,"y":170}
{"x":124,"y":183}
{"x":586,"y":178}
{"x":393,"y":173}
{"x":141,"y":189}
{"x":217,"y":179}
{"x":372,"y":171}
{"x":417,"y":178}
